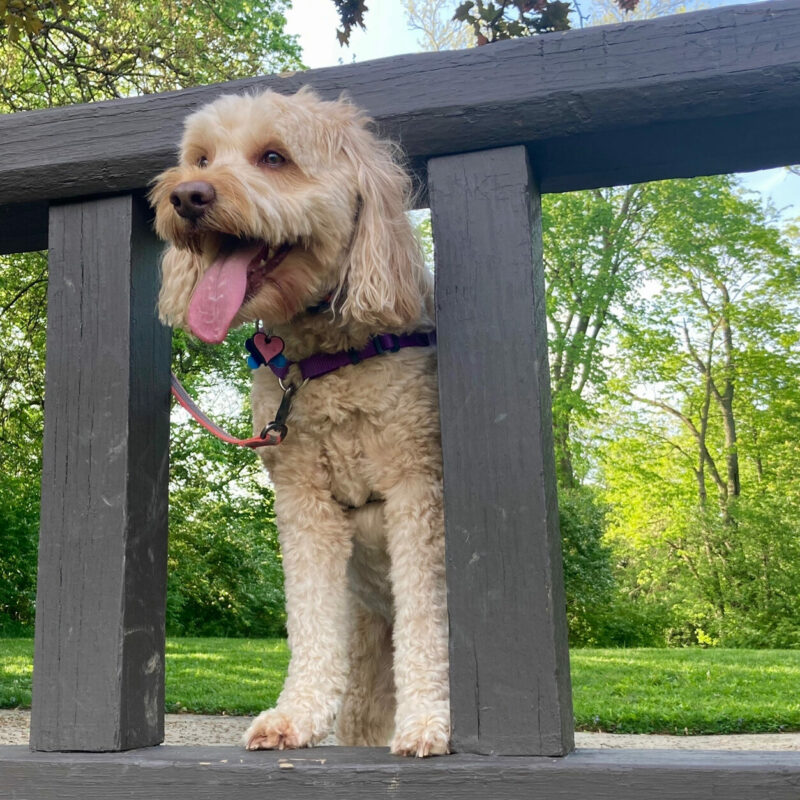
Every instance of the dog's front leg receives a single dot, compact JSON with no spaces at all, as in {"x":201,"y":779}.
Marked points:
{"x":415,"y":531}
{"x":316,"y":542}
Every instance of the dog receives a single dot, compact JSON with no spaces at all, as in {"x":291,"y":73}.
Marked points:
{"x":288,"y":210}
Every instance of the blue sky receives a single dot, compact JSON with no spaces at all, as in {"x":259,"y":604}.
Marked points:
{"x":387,"y":34}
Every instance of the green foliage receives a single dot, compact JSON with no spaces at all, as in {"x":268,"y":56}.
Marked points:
{"x":490,"y":21}
{"x":700,"y":468}
{"x":730,"y":583}
{"x":55,"y":53}
{"x":225,"y":575}
{"x":600,"y":612}
{"x":588,"y":577}
{"x":19,"y":533}
{"x":23,"y":286}
{"x":674,"y":353}
{"x":18,"y":17}
{"x":225,"y":569}
{"x":592,"y":245}
{"x":588,"y":569}
{"x":510,"y":19}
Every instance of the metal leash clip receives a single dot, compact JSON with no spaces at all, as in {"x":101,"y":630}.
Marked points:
{"x":278,"y":425}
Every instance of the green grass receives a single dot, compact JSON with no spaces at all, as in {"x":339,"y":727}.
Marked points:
{"x":235,"y":676}
{"x":204,"y":676}
{"x":686,"y":691}
{"x":625,"y":691}
{"x":16,"y":670}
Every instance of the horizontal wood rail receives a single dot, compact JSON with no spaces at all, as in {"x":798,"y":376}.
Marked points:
{"x":702,"y":93}
{"x":223,"y":773}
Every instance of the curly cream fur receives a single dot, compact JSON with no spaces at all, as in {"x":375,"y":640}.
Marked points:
{"x":358,"y":479}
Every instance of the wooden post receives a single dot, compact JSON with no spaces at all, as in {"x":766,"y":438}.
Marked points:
{"x":509,"y":660}
{"x":98,"y":680}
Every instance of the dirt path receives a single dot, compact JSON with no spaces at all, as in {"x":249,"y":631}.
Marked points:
{"x":207,"y":730}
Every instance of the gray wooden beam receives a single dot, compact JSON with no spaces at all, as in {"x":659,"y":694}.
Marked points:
{"x":222,"y":773}
{"x":711,"y":91}
{"x":509,"y":660}
{"x":99,"y":652}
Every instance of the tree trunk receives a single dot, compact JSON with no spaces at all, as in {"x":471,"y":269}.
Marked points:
{"x":726,"y":404}
{"x":565,"y":472}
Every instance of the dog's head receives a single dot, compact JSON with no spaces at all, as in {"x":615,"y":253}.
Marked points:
{"x":277,"y":202}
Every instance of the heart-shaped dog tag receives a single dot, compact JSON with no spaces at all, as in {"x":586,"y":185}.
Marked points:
{"x":264,"y":348}
{"x":268,"y":346}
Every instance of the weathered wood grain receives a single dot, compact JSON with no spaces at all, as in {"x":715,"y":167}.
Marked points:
{"x":222,"y":773}
{"x":99,"y":652}
{"x":711,"y":91}
{"x":509,"y":661}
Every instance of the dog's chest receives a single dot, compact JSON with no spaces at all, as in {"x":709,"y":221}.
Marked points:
{"x":327,"y":426}
{"x":349,"y":469}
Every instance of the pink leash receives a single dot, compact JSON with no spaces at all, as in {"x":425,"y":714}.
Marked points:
{"x":267,"y":437}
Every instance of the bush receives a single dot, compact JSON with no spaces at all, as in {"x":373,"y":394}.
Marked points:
{"x":225,"y":574}
{"x":599,"y":612}
{"x":19,"y":535}
{"x":588,"y":578}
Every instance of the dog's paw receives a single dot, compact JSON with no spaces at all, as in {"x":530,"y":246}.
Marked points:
{"x":274,"y":730}
{"x":422,"y":736}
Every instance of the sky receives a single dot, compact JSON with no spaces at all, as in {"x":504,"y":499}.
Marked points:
{"x":315,"y":23}
{"x":387,"y":33}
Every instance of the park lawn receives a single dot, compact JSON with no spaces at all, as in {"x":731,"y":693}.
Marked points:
{"x":619,"y":690}
{"x":231,"y":676}
{"x":686,"y":691}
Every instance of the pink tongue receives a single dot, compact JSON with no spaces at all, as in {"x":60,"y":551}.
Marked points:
{"x":219,"y":294}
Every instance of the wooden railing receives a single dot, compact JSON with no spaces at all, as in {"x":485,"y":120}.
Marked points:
{"x":486,"y":131}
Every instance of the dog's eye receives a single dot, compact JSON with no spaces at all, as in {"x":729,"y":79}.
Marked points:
{"x":202,"y":161}
{"x":272,"y":159}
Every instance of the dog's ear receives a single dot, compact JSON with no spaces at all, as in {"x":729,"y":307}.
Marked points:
{"x":383,"y":277}
{"x":180,"y":271}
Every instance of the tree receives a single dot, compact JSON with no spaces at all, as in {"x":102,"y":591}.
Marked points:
{"x":489,"y":21}
{"x":609,"y":12}
{"x":435,"y":22}
{"x":721,"y":266}
{"x":592,"y":243}
{"x":708,"y":361}
{"x":591,"y":266}
{"x":225,"y":576}
{"x":23,"y":291}
{"x":511,"y":19}
{"x":55,"y":53}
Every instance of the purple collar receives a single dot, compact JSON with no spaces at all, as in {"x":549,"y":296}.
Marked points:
{"x":268,"y":350}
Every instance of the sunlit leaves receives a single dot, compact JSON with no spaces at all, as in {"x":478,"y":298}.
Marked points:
{"x":94,"y":49}
{"x":700,"y":461}
{"x":223,"y":554}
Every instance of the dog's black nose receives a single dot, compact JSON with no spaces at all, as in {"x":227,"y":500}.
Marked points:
{"x":192,"y":199}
